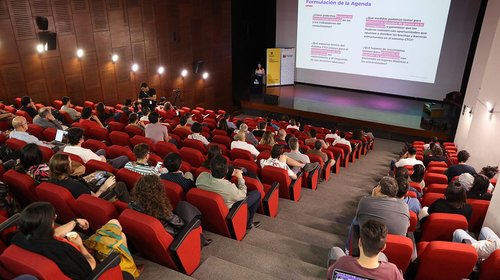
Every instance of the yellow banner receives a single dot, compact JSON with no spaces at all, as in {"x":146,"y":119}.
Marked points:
{"x":273,"y":67}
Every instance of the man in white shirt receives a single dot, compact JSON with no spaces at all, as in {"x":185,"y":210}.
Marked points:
{"x":409,"y":158}
{"x":75,"y":140}
{"x":20,"y":127}
{"x":66,"y":107}
{"x":333,"y":134}
{"x":196,"y":129}
{"x":239,"y":143}
{"x":342,"y":140}
{"x":277,"y":159}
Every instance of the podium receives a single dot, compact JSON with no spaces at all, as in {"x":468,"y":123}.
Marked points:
{"x":257,"y":84}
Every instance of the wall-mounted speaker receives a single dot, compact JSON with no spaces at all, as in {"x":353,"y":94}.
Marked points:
{"x":42,"y":23}
{"x":198,"y":66}
{"x":48,"y":38}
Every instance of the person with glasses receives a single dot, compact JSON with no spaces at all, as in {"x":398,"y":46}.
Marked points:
{"x":20,"y":133}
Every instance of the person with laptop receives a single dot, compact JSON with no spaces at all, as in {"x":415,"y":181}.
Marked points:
{"x":20,"y":126}
{"x":371,"y":264}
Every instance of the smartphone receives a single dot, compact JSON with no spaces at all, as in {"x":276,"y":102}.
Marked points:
{"x":159,"y":165}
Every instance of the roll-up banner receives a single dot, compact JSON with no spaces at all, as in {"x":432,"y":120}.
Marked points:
{"x":287,"y":66}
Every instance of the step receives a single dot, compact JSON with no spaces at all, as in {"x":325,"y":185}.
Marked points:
{"x":265,"y":261}
{"x":215,"y":268}
{"x":154,"y":271}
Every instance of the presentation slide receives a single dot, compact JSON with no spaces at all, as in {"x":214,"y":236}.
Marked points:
{"x":393,"y":39}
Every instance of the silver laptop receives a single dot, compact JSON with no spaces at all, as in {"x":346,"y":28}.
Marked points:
{"x":344,"y":275}
{"x":60,"y":135}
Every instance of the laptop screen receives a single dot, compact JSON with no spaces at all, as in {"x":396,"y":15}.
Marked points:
{"x":344,"y":275}
{"x":60,"y":134}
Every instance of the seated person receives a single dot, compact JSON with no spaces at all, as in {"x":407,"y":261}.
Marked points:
{"x":293,"y":125}
{"x":190,"y":119}
{"x":333,"y":135}
{"x":342,"y":140}
{"x":145,"y":114}
{"x":317,"y":151}
{"x":369,"y":133}
{"x":103,"y":114}
{"x":172,"y":162}
{"x":240,"y":143}
{"x":403,"y":187}
{"x":28,"y":106}
{"x":45,"y":119}
{"x":313,"y":139}
{"x":436,"y":155}
{"x":133,"y":120}
{"x":60,"y":174}
{"x":88,"y":120}
{"x":455,"y":202}
{"x":6,"y":116}
{"x":196,"y":128}
{"x":215,"y":150}
{"x":278,"y":159}
{"x":38,"y":234}
{"x":248,"y":135}
{"x":155,"y":130}
{"x":20,"y":126}
{"x":31,"y":163}
{"x":479,"y":188}
{"x":66,"y":107}
{"x":75,"y":140}
{"x":183,"y":123}
{"x":270,"y":123}
{"x":267,"y":139}
{"x":487,"y":243}
{"x":409,"y":158}
{"x":170,"y":110}
{"x":231,"y":193}
{"x":149,"y":197}
{"x":372,"y":263}
{"x":455,"y":170}
{"x":418,"y":175}
{"x":141,"y":165}
{"x":259,"y":131}
{"x":490,"y":172}
{"x":295,"y":154}
{"x":281,"y":138}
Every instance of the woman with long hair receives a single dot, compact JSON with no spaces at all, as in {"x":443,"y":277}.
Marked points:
{"x":102,"y":113}
{"x":267,"y":139}
{"x":31,"y":163}
{"x":479,"y":188}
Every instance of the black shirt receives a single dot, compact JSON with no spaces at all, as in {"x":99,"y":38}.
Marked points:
{"x":258,"y":133}
{"x":177,"y":178}
{"x":75,"y":187}
{"x":476,"y":195}
{"x":457,"y":170}
{"x":443,"y":206}
{"x":148,"y":94}
{"x":30,"y":110}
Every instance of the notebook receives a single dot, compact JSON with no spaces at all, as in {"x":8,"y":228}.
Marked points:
{"x":344,"y":275}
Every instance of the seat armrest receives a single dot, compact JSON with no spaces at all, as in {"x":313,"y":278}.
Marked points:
{"x":183,"y":234}
{"x":275,"y":186}
{"x":111,"y":261}
{"x":10,"y":222}
{"x":235,"y":208}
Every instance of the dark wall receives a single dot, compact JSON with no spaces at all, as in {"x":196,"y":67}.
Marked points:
{"x":253,"y":31}
{"x":148,"y":32}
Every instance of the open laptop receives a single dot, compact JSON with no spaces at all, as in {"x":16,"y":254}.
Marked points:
{"x":344,"y":275}
{"x":60,"y":138}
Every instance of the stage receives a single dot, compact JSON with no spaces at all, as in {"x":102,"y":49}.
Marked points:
{"x":388,"y":113}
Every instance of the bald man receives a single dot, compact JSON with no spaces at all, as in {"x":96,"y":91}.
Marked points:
{"x":20,"y":127}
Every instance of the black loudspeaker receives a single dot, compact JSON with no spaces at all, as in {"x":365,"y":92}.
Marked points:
{"x":49,"y":38}
{"x":42,"y":23}
{"x":198,"y":66}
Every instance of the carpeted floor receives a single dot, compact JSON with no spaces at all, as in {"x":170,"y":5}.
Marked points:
{"x":295,"y":244}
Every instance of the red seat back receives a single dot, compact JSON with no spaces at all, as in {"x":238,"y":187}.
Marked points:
{"x":194,"y":157}
{"x":271,"y":174}
{"x":249,"y":165}
{"x":430,"y":198}
{"x":50,"y":134}
{"x":479,"y":209}
{"x":436,"y":188}
{"x":96,"y":165}
{"x":116,"y":151}
{"x":440,"y":226}
{"x":25,"y":115}
{"x":116,"y":126}
{"x":435,"y":178}
{"x":242,"y":154}
{"x":94,"y":145}
{"x":67,"y":117}
{"x":399,"y":250}
{"x":130,"y":178}
{"x":163,"y":148}
{"x":57,"y":104}
{"x":437,"y":169}
{"x":21,"y":186}
{"x":36,"y":131}
{"x":175,"y":193}
{"x":133,"y":130}
{"x":89,"y":205}
{"x":60,"y":198}
{"x":47,"y":153}
{"x":119,"y":138}
{"x":138,"y":139}
{"x":222,"y":139}
{"x":15,"y":144}
{"x":195,"y":144}
{"x":98,"y":133}
{"x":490,"y":268}
{"x":263,"y":147}
{"x":181,"y":132}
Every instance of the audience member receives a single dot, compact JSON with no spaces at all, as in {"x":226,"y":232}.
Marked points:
{"x":295,"y":154}
{"x":372,"y":263}
{"x":145,"y":114}
{"x":281,"y":138}
{"x":133,"y":120}
{"x":183,"y":123}
{"x":317,"y":151}
{"x":20,"y":126}
{"x":141,"y":165}
{"x":343,"y":141}
{"x":66,"y":107}
{"x":45,"y":119}
{"x":259,"y":131}
{"x":172,"y":163}
{"x":403,"y":187}
{"x":479,"y":188}
{"x":248,"y":135}
{"x":196,"y":128}
{"x":293,"y":125}
{"x":156,"y":131}
{"x":270,"y":123}
{"x":170,"y":111}
{"x":418,"y":175}
{"x":455,"y":202}
{"x":215,"y":150}
{"x":31,"y":163}
{"x":89,"y":120}
{"x":267,"y":139}
{"x":333,"y":134}
{"x":489,"y":172}
{"x":466,"y":180}
{"x":28,"y":106}
{"x":313,"y":139}
{"x":278,"y":159}
{"x":369,"y":133}
{"x":487,"y":243}
{"x":461,"y":167}
{"x":231,"y":193}
{"x":189,"y":120}
{"x":436,"y":155}
{"x":103,"y":114}
{"x":409,"y":158}
{"x":240,"y":143}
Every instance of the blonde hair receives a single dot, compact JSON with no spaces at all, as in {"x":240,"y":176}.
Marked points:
{"x":240,"y":136}
{"x":267,"y":139}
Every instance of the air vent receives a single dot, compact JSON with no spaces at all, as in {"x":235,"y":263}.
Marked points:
{"x":21,"y":16}
{"x":99,"y":16}
{"x":63,"y":18}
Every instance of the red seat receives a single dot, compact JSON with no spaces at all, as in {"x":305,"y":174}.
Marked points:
{"x":413,"y":222}
{"x":133,"y":130}
{"x":249,"y":165}
{"x":490,"y":268}
{"x":263,"y":147}
{"x":116,"y":151}
{"x":222,"y":148}
{"x":94,"y":145}
{"x":263,"y":155}
{"x":222,"y":139}
{"x":50,"y":134}
{"x":289,"y":189}
{"x":67,"y":117}
{"x":60,"y":198}
{"x":25,"y":115}
{"x":88,"y":104}
{"x":89,"y":205}
{"x":445,"y":260}
{"x":195,"y":144}
{"x":175,"y":193}
{"x":399,"y":250}
{"x":119,"y":138}
{"x":436,"y":188}
{"x":194,"y":157}
{"x":138,"y":139}
{"x":10,"y":109}
{"x":326,"y":168}
{"x":163,"y":148}
{"x":130,"y":178}
{"x":436,"y":169}
{"x":36,"y":131}
{"x":116,"y":126}
{"x":57,"y":104}
{"x":479,"y":209}
{"x":269,"y":195}
{"x":47,"y":153}
{"x":181,"y":132}
{"x":416,"y":186}
{"x":221,"y":132}
{"x":154,"y":243}
{"x":347,"y":153}
{"x":100,"y":134}
{"x":217,"y":217}
{"x":15,"y":144}
{"x":429,"y":198}
{"x":435,"y":178}
{"x":440,"y":226}
{"x":21,"y":186}
{"x":74,"y":157}
{"x":95,"y":165}
{"x":242,"y":154}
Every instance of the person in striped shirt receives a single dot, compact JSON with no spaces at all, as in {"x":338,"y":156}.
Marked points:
{"x":141,"y":165}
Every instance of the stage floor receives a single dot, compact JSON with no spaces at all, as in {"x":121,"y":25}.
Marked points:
{"x":384,"y":109}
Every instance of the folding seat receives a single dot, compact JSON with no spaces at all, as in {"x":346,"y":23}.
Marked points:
{"x":435,"y":188}
{"x":200,"y":170}
{"x":88,"y":206}
{"x":221,"y":112}
{"x":219,"y":132}
{"x":241,"y":154}
{"x":36,"y":131}
{"x":116,"y":151}
{"x":115,"y":126}
{"x":440,"y":226}
{"x":325,"y":166}
{"x":430,"y":198}
{"x":154,"y":159}
{"x":174,"y":191}
{"x":435,"y":178}
{"x":269,"y":195}
{"x":74,"y":157}
{"x":119,"y":106}
{"x":88,"y":104}
{"x":181,"y":132}
{"x":94,"y":145}
{"x":95,"y":165}
{"x":436,"y":169}
{"x":21,"y":186}
{"x":354,"y":154}
{"x":60,"y":198}
{"x":347,"y":153}
{"x":25,"y":115}
{"x":78,"y":108}
{"x":47,"y":153}
{"x":217,"y":217}
{"x":223,"y":148}
{"x":222,"y":139}
{"x":289,"y":189}
{"x":413,"y":222}
{"x":209,"y":123}
{"x":194,"y":157}
{"x":186,"y":109}
{"x":133,"y":130}
{"x":490,"y":268}
{"x":100,"y":134}
{"x":163,"y":148}
{"x":210,"y":113}
{"x":263,"y":147}
{"x":130,"y":178}
{"x":182,"y":253}
{"x":10,"y":109}
{"x":67,"y":117}
{"x":195,"y":144}
{"x":49,"y":134}
{"x":479,"y":209}
{"x":15,"y":144}
{"x":138,"y":139}
{"x":119,"y":138}
{"x":399,"y":250}
{"x":418,"y":143}
{"x":249,"y":165}
{"x":437,"y":164}
{"x":445,"y":260}
{"x":201,"y":109}
{"x":263,"y":155}
{"x":359,"y":147}
{"x":57,"y":104}
{"x":16,"y":261}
